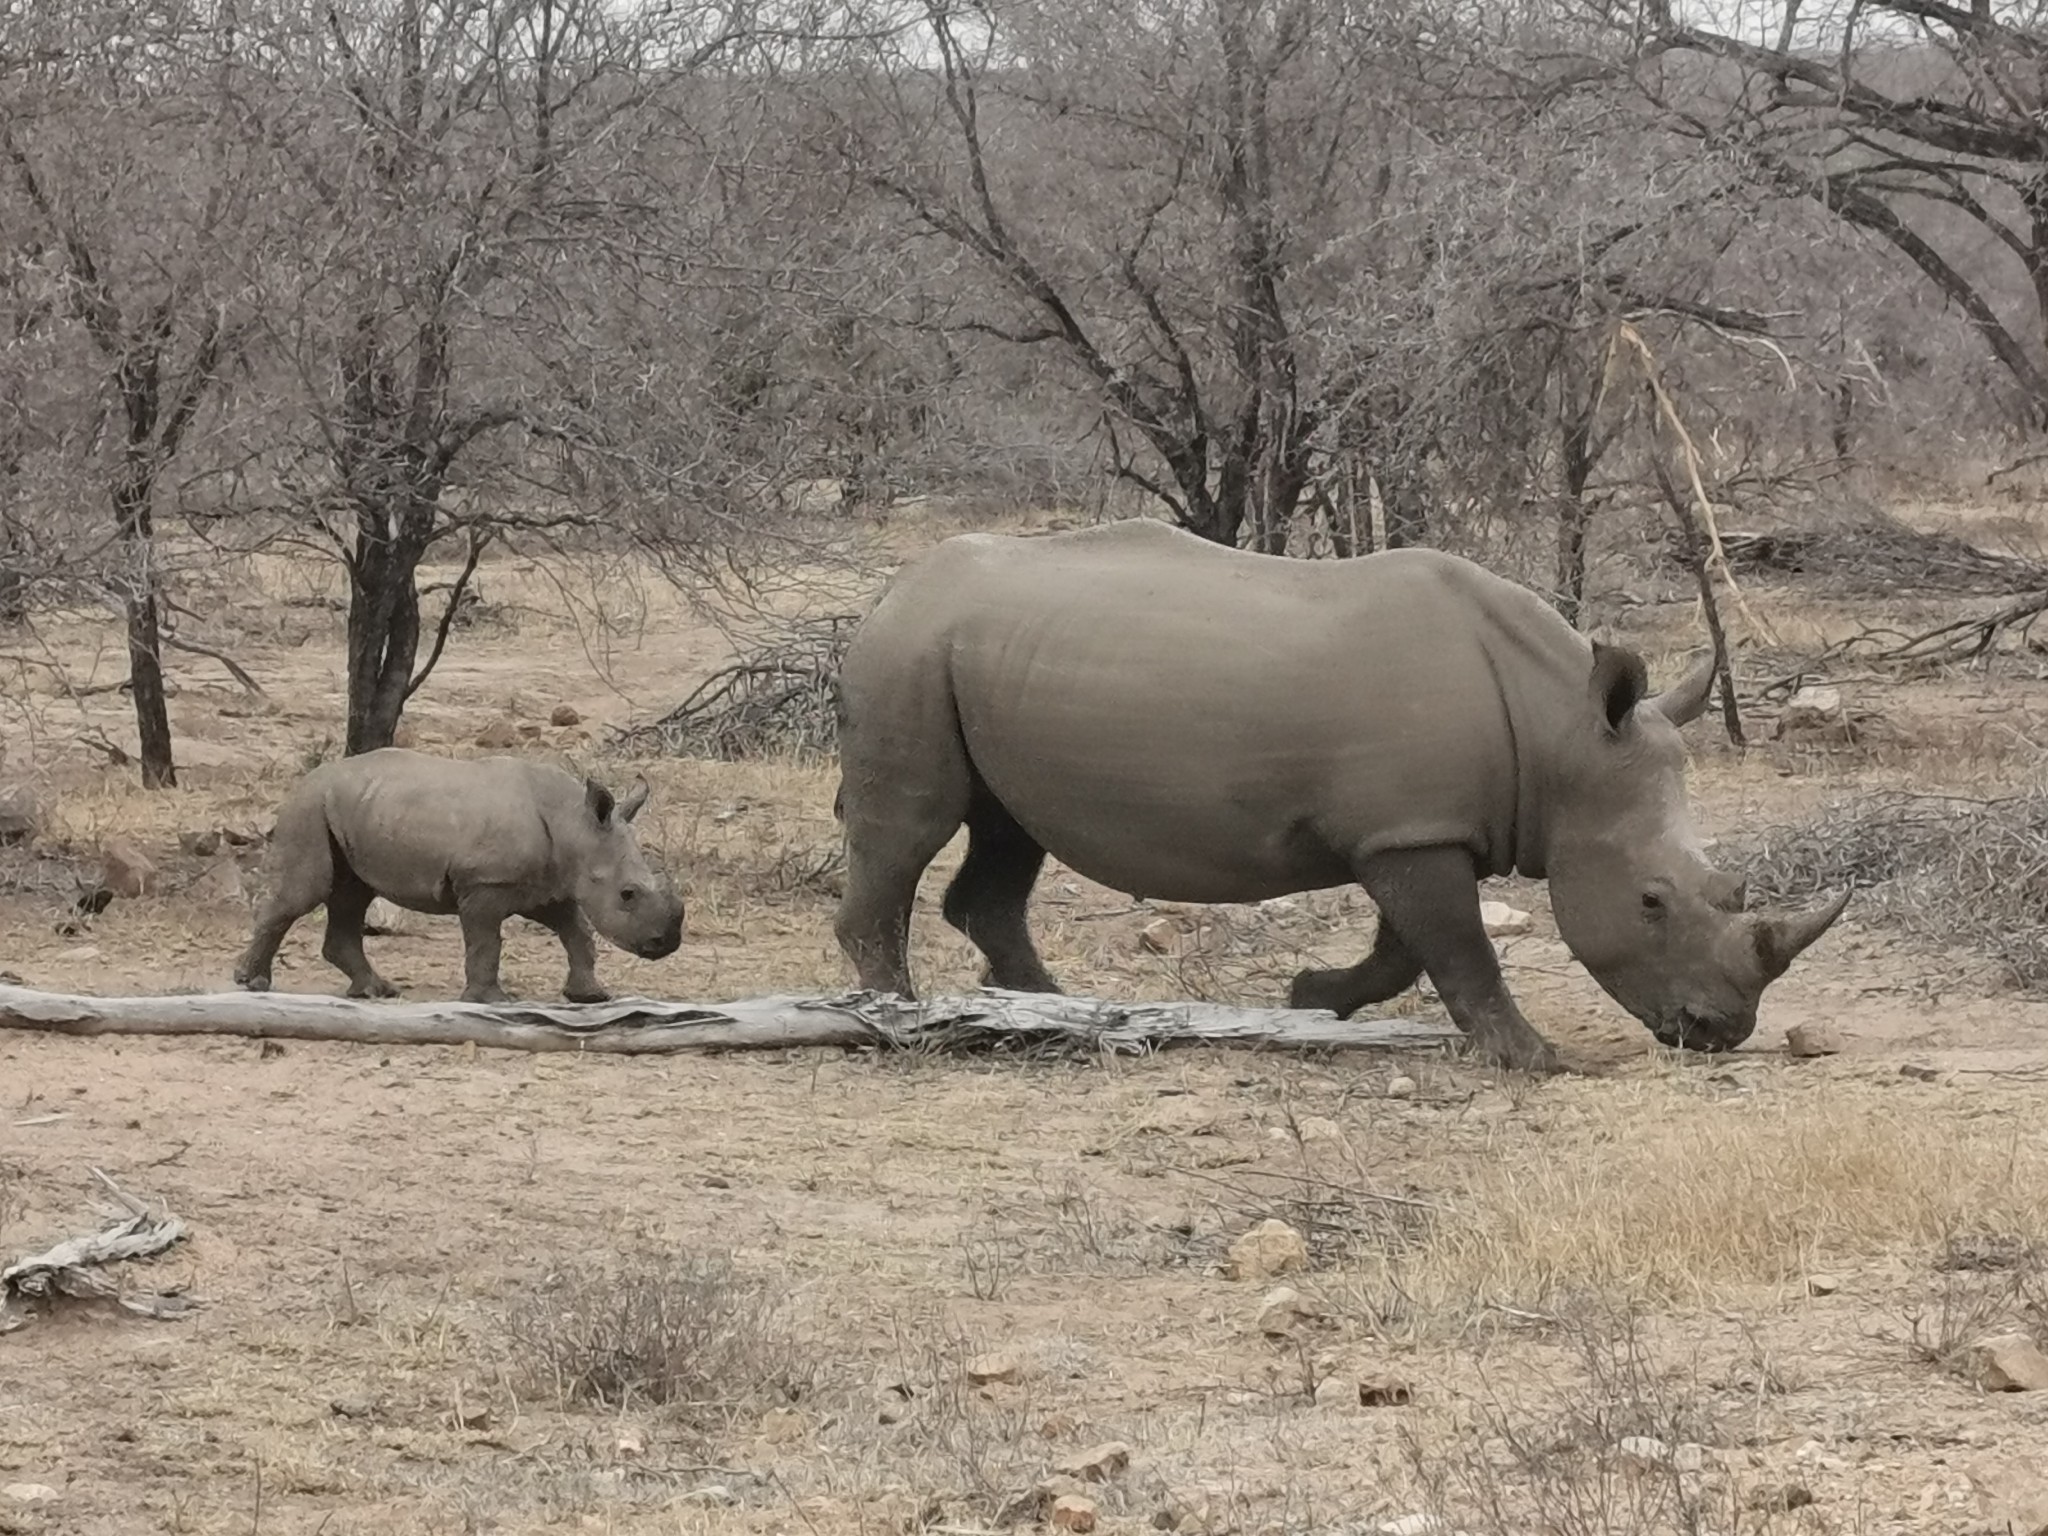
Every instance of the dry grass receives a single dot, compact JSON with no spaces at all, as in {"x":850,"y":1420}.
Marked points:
{"x":1689,"y":1201}
{"x":1949,"y":869}
{"x":685,"y":1333}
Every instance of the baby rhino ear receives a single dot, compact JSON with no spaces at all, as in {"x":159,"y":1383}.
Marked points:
{"x":599,"y":799}
{"x":636,"y":797}
{"x":1619,"y":682}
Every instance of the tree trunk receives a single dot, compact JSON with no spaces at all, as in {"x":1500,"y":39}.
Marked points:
{"x":145,"y":648}
{"x":383,"y":621}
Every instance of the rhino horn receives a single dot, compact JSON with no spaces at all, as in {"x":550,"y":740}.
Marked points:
{"x":1686,"y":700}
{"x":636,"y":797}
{"x":1780,"y":939}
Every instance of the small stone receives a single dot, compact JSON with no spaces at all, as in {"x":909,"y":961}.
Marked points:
{"x":1057,"y":1426}
{"x":1001,"y":1367}
{"x":1780,"y":1498}
{"x":1401,"y":1088}
{"x":2011,"y":1363}
{"x":1161,"y":936}
{"x":710,"y":1493}
{"x":783,"y":1426}
{"x":31,"y":1493}
{"x":1811,"y":708}
{"x":21,"y":815}
{"x":203,"y":844}
{"x":1387,"y":1393}
{"x":1919,"y":1073}
{"x":1073,"y":1512}
{"x":1813,"y":1040}
{"x":1282,"y":1310}
{"x":1688,"y":1458}
{"x":565,"y":715}
{"x":1337,"y":1392}
{"x":1097,"y":1464}
{"x":384,"y":919}
{"x":1822,"y":1285}
{"x":1318,"y":1128}
{"x":126,"y":870}
{"x":1422,"y":1524}
{"x":1270,"y":1249}
{"x":498,"y":735}
{"x":472,"y":1417}
{"x":244,"y":837}
{"x":1503,"y":921}
{"x":631,"y":1443}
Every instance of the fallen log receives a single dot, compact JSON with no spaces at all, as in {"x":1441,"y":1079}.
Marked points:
{"x":71,"y":1268}
{"x":638,"y":1026}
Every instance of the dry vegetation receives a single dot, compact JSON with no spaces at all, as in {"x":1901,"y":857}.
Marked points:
{"x":444,"y":1290}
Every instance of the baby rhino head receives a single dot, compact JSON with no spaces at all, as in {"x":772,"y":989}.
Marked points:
{"x":626,"y":898}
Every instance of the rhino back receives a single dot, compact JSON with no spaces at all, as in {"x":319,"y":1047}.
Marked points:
{"x":421,"y":829}
{"x":1192,"y":722}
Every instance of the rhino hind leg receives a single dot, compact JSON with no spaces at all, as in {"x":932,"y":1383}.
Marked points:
{"x":1430,"y":896}
{"x":299,"y":871}
{"x":991,"y":894}
{"x":348,"y":905}
{"x":1391,"y":968}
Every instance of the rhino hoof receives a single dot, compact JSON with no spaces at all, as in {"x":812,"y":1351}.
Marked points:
{"x":253,"y":981}
{"x":490,"y":994}
{"x":376,"y":986}
{"x":589,"y":994}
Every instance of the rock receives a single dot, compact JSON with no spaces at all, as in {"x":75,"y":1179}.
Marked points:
{"x":783,"y":1426}
{"x":1270,"y":1249}
{"x":1337,"y":1392}
{"x":498,"y":735}
{"x":1401,"y":1088}
{"x":631,"y":1443}
{"x":1073,"y":1512}
{"x":385,"y":919}
{"x":31,"y":1493}
{"x":1318,"y":1128}
{"x":710,"y":1493}
{"x":1161,"y":936}
{"x":2015,"y":1498}
{"x":1822,"y":1285}
{"x":1097,"y":1464}
{"x":21,"y":815}
{"x":126,"y":870}
{"x":1503,"y":921}
{"x":1919,"y":1073}
{"x":221,"y":881}
{"x":1001,"y":1367}
{"x":1813,"y":1040}
{"x":565,"y":715}
{"x":244,"y":837}
{"x":1282,"y":1310}
{"x":1057,"y":1426}
{"x":1812,"y":708}
{"x":1779,"y":1498}
{"x":2011,"y":1363}
{"x":203,"y":844}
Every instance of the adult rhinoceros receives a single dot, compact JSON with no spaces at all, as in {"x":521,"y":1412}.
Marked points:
{"x":1179,"y":720}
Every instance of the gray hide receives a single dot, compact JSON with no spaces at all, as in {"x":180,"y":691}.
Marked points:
{"x":486,"y":839}
{"x":1182,"y":721}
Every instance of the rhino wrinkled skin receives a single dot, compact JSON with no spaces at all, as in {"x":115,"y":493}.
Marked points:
{"x":1178,"y":720}
{"x":485,"y":839}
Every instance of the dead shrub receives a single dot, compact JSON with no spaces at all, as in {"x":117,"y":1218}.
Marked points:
{"x":686,"y":1332}
{"x":778,"y":699}
{"x":1990,"y":1284}
{"x":1946,"y":869}
{"x":1616,"y":1449}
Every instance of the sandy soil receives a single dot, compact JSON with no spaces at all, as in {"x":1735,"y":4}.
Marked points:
{"x":389,"y":1247}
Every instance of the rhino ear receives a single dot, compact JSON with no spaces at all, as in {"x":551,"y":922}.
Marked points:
{"x":636,"y":797}
{"x":1619,"y":682}
{"x":599,"y":799}
{"x":1686,"y":700}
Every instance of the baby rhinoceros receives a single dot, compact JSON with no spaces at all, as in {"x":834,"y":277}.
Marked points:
{"x":486,"y":839}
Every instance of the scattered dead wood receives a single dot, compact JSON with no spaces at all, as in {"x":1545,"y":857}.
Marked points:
{"x":71,"y":1269}
{"x":1957,"y":642}
{"x":779,"y":697}
{"x":991,"y":1020}
{"x":1876,"y":555}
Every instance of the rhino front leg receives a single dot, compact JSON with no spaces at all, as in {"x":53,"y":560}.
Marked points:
{"x":566,"y":921}
{"x":1430,"y":896}
{"x":348,"y":905}
{"x":1391,"y":968}
{"x":483,"y":915}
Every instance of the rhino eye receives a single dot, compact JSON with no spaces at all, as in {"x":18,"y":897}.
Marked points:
{"x":627,"y":895}
{"x":1653,"y":904}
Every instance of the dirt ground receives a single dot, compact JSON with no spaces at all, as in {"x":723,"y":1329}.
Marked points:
{"x":402,"y":1259}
